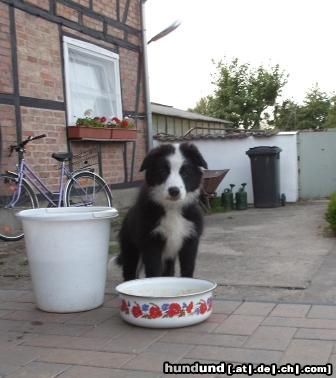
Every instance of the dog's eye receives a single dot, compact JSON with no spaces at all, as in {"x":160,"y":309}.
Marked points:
{"x":184,"y":171}
{"x":162,"y":171}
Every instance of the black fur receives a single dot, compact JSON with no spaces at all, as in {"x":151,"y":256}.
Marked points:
{"x":137,"y":241}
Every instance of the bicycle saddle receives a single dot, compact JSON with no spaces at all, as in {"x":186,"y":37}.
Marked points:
{"x":62,"y":156}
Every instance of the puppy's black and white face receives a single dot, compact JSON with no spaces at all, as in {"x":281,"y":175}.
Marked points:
{"x":173,"y":173}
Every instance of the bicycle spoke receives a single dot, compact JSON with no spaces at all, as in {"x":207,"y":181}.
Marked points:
{"x":88,"y":189}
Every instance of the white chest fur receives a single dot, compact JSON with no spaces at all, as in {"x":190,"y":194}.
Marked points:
{"x":175,"y":229}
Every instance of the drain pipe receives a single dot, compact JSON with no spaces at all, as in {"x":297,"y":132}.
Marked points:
{"x":146,"y":79}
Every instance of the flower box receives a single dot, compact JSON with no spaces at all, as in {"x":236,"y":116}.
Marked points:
{"x":123,"y":134}
{"x":83,"y":132}
{"x":97,"y":133}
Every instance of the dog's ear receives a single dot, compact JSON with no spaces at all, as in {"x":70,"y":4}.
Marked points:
{"x":191,"y":152}
{"x":155,"y":153}
{"x":146,"y":162}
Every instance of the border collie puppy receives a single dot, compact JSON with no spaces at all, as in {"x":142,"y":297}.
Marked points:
{"x":165,"y":223}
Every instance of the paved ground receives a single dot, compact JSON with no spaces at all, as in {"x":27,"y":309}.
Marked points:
{"x":276,"y":303}
{"x":98,"y":344}
{"x":283,"y":254}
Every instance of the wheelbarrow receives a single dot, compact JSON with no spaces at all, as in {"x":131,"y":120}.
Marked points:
{"x":211,"y":179}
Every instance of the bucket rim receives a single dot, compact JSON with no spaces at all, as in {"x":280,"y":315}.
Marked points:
{"x":64,"y":214}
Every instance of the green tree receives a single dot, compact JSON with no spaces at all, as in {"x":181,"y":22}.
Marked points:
{"x":202,"y":106}
{"x":331,"y":117}
{"x":286,"y":115}
{"x":314,"y":111}
{"x":317,"y":111}
{"x":242,"y":93}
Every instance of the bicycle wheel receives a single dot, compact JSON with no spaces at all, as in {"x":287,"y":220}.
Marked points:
{"x":10,"y":225}
{"x":87,"y":189}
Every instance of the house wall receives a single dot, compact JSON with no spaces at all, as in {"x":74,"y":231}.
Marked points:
{"x":317,"y":163}
{"x":231,"y":154}
{"x":179,"y":126}
{"x":32,"y":93}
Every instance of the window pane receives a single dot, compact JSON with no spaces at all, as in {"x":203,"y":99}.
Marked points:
{"x":92,"y":84}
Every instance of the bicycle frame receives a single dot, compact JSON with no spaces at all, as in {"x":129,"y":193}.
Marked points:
{"x":24,"y":172}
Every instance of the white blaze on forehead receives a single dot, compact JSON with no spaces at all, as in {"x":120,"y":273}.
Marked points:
{"x":176,"y":161}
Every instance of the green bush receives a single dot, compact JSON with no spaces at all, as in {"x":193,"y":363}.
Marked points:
{"x":331,"y":212}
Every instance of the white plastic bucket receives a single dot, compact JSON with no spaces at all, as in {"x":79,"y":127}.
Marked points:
{"x":67,"y":251}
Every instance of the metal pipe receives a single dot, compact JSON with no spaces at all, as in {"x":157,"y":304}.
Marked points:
{"x":146,"y":79}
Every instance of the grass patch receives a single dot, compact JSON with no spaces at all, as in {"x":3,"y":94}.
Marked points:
{"x":114,"y":248}
{"x":331,"y":213}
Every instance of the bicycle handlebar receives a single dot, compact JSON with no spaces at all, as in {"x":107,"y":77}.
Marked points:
{"x":38,"y":137}
{"x":20,"y":146}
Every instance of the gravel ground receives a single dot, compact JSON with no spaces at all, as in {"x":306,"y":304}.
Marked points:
{"x":13,"y":261}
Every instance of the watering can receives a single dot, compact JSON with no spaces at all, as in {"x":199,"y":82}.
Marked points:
{"x":241,"y":198}
{"x":227,"y":198}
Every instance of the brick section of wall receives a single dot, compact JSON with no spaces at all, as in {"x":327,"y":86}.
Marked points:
{"x":75,"y":33}
{"x":93,"y":23}
{"x":112,"y":157}
{"x":128,"y":73}
{"x":85,"y":3}
{"x":135,"y":39}
{"x":40,"y":76}
{"x":67,"y":12}
{"x":52,"y":123}
{"x":142,"y":101}
{"x":8,"y":136}
{"x":44,"y":4}
{"x":6,"y":80}
{"x":140,"y":151}
{"x":39,"y":58}
{"x":106,"y":8}
{"x":133,"y":16}
{"x":113,"y":168}
{"x":122,"y":5}
{"x":115,"y":32}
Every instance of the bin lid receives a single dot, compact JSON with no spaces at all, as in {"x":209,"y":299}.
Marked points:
{"x":263,"y":150}
{"x":68,"y":213}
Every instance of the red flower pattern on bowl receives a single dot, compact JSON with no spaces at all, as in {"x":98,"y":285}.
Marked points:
{"x":136,"y":311}
{"x":154,"y":311}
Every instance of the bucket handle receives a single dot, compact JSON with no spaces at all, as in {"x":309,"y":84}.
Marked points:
{"x":111,"y":213}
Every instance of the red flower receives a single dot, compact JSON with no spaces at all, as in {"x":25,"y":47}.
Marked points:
{"x":203,"y":307}
{"x":155,"y":312}
{"x":190,"y":307}
{"x":136,"y":311}
{"x":174,"y":309}
{"x":124,"y":123}
{"x":103,"y":119}
{"x":123,"y":306}
{"x":116,"y":120}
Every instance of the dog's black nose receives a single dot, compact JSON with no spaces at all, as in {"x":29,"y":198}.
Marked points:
{"x":174,"y":191}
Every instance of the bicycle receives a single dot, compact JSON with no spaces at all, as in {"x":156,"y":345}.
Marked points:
{"x":83,"y":187}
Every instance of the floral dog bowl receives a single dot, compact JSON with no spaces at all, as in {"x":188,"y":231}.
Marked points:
{"x":165,"y":302}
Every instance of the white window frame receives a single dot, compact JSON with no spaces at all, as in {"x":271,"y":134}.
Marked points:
{"x":97,"y":52}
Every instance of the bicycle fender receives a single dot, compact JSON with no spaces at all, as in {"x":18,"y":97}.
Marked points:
{"x":15,"y":175}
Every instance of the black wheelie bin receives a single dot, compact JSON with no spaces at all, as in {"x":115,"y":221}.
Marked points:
{"x":265,"y":167}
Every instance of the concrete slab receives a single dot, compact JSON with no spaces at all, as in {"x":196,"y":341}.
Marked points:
{"x":281,"y":247}
{"x":283,"y":254}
